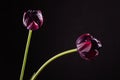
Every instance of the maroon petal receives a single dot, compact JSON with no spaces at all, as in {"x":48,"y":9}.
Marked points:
{"x":33,"y":26}
{"x":89,"y":55}
{"x":83,"y":38}
{"x":84,"y":46}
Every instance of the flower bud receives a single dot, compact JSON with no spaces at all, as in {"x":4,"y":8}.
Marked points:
{"x":33,"y":19}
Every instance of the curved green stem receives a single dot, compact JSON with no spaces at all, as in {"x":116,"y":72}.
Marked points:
{"x":25,"y":55}
{"x":50,"y":60}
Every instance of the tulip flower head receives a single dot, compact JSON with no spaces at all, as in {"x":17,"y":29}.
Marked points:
{"x":33,"y":19}
{"x":88,"y":46}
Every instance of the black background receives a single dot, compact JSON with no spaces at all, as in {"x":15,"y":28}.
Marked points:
{"x":64,"y":22}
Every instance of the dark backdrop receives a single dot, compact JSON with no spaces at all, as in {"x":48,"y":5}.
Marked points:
{"x":64,"y":21}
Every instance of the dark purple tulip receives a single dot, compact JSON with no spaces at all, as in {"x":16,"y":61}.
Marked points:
{"x":88,"y":46}
{"x":33,"y":19}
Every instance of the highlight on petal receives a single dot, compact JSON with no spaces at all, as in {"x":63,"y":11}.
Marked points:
{"x":84,"y":46}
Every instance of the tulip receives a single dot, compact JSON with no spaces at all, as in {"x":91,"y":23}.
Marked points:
{"x":33,"y":19}
{"x":88,"y":46}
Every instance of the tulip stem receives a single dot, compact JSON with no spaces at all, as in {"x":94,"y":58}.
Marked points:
{"x":50,"y":60}
{"x":25,"y":55}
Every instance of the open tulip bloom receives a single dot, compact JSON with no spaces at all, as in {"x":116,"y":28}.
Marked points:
{"x":86,"y":45}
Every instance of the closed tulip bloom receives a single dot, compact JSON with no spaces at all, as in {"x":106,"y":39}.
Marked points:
{"x":33,"y":19}
{"x":88,"y":46}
